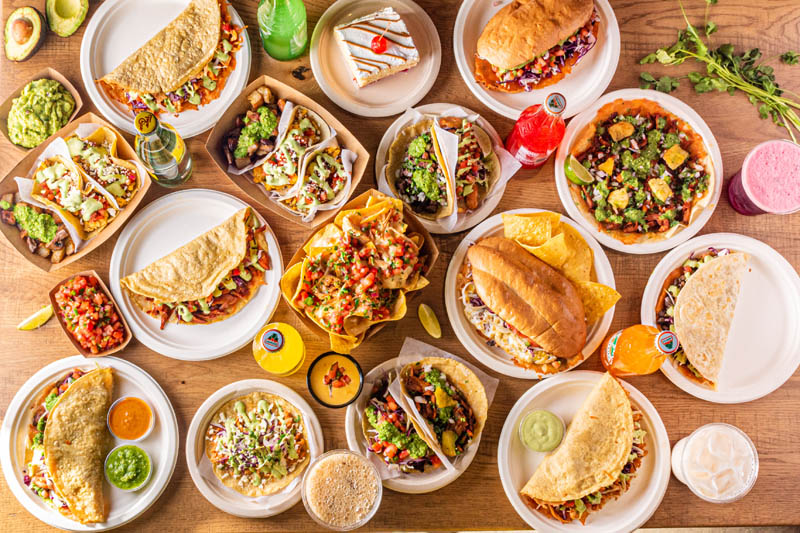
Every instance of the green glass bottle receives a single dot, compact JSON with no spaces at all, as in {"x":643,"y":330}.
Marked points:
{"x":283,"y":28}
{"x":162,"y":150}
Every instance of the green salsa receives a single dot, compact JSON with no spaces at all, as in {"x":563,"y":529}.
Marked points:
{"x":128,"y":467}
{"x":40,"y":226}
{"x":43,"y":108}
{"x":541,"y":431}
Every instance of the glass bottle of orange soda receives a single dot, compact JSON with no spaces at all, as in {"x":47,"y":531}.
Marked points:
{"x":637,"y":350}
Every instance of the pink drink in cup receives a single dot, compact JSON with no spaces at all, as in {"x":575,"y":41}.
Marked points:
{"x":769,"y":181}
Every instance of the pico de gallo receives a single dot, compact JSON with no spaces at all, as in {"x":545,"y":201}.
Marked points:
{"x":89,"y":314}
{"x":472,"y":168}
{"x":94,"y":159}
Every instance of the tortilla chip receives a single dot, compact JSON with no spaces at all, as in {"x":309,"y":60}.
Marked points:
{"x":554,"y":251}
{"x":578,"y":266}
{"x":324,"y":238}
{"x":344,"y":343}
{"x":533,"y":229}
{"x":290,"y":283}
{"x":597,"y":299}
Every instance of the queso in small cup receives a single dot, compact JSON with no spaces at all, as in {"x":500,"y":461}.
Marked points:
{"x":335,"y":380}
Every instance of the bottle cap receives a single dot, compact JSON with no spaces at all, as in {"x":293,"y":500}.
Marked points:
{"x":145,"y":122}
{"x":279,"y":349}
{"x":667,"y":342}
{"x":555,"y":103}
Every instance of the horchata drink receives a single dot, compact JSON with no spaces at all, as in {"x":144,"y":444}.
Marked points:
{"x":718,"y":462}
{"x":769,"y":181}
{"x":342,"y":490}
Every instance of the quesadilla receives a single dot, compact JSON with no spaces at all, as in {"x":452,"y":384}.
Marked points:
{"x":208,"y":279}
{"x":184,"y":66}
{"x":530,"y":44}
{"x":257,"y":444}
{"x":600,"y":455}
{"x":67,"y":442}
{"x":522,"y":305}
{"x":704,"y":311}
{"x":450,"y":399}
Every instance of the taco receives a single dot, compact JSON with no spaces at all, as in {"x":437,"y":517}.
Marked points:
{"x":391,"y":434}
{"x":96,"y":155}
{"x":183,"y":66}
{"x":282,"y":167}
{"x":600,"y":455}
{"x":208,"y":279}
{"x":67,"y":442}
{"x":450,"y":399}
{"x":478,"y":167}
{"x":416,"y":173}
{"x":59,"y":184}
{"x":323,"y":181}
{"x":651,"y":172}
{"x":257,"y":444}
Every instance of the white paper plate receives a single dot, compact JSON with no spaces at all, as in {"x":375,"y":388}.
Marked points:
{"x":119,"y":28}
{"x":763,"y":348}
{"x":433,"y":226}
{"x":161,"y":444}
{"x":564,"y":395}
{"x":580,"y":87}
{"x":390,"y":95}
{"x":492,"y":356}
{"x":226,"y":499}
{"x":679,"y":109}
{"x":411,"y":483}
{"x":158,"y":229}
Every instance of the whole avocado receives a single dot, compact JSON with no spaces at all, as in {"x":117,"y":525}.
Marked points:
{"x":23,"y":34}
{"x":65,"y":16}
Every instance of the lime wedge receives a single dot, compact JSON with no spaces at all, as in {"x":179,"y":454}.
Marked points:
{"x":429,"y":321}
{"x":37,"y":319}
{"x":577,"y":173}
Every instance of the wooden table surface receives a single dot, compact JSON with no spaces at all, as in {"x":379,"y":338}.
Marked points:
{"x":476,"y":500}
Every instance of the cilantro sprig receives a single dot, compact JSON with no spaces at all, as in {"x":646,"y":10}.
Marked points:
{"x":727,"y":70}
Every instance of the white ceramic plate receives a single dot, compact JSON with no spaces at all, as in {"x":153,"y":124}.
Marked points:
{"x":433,"y":226}
{"x":763,"y":348}
{"x":679,"y":109}
{"x":410,"y":483}
{"x":161,"y":444}
{"x":390,"y":95}
{"x":564,"y":395}
{"x":119,"y":28}
{"x":158,"y":229}
{"x":580,"y":87}
{"x":492,"y":356}
{"x":226,"y":499}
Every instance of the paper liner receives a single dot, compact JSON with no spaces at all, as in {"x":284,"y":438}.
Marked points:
{"x":25,"y":188}
{"x":283,"y":123}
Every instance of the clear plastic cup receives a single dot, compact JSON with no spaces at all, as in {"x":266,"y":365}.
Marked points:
{"x":740,"y":194}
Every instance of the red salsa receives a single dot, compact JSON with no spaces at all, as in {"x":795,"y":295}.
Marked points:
{"x":89,"y":314}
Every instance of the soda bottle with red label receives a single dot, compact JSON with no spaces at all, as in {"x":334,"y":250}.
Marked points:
{"x":538,"y":131}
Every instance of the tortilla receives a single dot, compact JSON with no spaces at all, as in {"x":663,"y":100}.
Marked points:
{"x":704,"y":312}
{"x":174,"y":55}
{"x":269,"y":485}
{"x":594,"y":451}
{"x":76,"y":441}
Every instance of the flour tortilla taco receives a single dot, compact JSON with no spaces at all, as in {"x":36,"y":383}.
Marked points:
{"x":416,"y":173}
{"x":600,"y":454}
{"x":450,"y":399}
{"x":67,"y":443}
{"x":257,"y":444}
{"x":323,"y":181}
{"x":208,"y":279}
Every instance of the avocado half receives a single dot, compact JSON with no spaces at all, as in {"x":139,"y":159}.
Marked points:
{"x":65,"y":16}
{"x":24,"y":33}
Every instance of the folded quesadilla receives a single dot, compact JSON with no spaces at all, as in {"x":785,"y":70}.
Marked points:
{"x":184,"y":66}
{"x":207,"y":279}
{"x":601,"y":453}
{"x":704,"y":312}
{"x":67,"y":443}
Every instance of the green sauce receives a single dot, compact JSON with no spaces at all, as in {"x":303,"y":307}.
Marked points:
{"x":43,"y":107}
{"x":40,"y":226}
{"x":541,"y":431}
{"x":128,"y":467}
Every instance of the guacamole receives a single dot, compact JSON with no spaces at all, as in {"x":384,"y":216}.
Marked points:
{"x":40,"y":226}
{"x":387,"y":432}
{"x":43,"y":108}
{"x":128,"y":467}
{"x":254,"y":131}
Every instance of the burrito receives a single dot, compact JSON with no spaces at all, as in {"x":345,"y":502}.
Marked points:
{"x":450,"y":398}
{"x":183,"y":66}
{"x":67,"y":443}
{"x":600,"y":455}
{"x":208,"y":279}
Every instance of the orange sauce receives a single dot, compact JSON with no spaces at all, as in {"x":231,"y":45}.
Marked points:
{"x":130,"y":418}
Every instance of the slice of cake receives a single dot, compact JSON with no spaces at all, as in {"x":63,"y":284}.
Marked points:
{"x":376,"y":46}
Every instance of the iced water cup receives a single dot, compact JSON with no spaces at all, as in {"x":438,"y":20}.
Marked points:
{"x":769,"y":181}
{"x":718,"y":462}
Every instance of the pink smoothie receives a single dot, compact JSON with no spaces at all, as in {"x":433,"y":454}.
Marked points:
{"x":771,"y":176}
